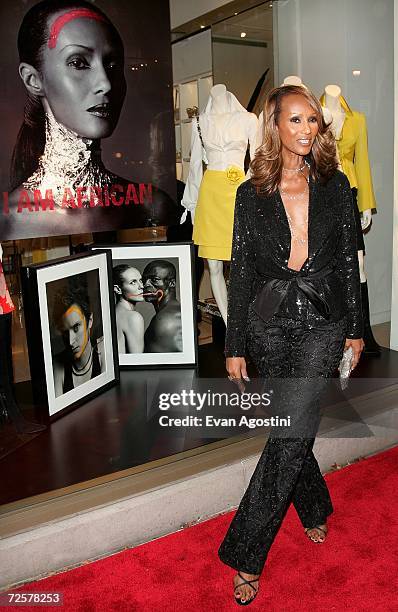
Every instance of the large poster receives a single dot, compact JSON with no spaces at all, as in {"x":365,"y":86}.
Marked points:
{"x":86,"y":117}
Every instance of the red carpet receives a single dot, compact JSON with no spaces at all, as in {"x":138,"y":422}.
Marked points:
{"x":354,"y":570}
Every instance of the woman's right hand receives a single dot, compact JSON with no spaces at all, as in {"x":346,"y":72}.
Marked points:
{"x":236,"y":368}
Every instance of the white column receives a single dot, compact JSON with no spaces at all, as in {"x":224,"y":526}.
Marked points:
{"x":394,"y":292}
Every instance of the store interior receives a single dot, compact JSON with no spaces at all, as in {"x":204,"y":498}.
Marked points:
{"x":249,"y":47}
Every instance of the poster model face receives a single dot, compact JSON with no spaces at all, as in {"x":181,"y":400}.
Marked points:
{"x":70,"y":329}
{"x":153,"y":303}
{"x":86,"y":121}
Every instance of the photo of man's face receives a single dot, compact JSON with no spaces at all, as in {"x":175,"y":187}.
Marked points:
{"x":75,"y":330}
{"x":158,"y":279}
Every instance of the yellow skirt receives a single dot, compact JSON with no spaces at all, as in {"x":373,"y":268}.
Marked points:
{"x":214,"y":214}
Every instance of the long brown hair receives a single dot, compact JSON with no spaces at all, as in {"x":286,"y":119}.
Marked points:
{"x":266,"y":167}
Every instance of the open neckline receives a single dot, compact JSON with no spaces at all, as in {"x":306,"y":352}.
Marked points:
{"x":284,"y":215}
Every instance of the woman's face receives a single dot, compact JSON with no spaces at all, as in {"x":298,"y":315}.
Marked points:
{"x":297,"y":125}
{"x":75,"y":331}
{"x":132,"y":288}
{"x":83,"y":77}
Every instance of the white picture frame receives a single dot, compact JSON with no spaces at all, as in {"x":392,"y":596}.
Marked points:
{"x":81,"y":286}
{"x":177,"y":256}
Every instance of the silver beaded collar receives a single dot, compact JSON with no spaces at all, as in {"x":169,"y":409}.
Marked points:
{"x":67,"y":162}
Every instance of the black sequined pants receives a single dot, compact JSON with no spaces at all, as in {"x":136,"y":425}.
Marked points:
{"x":304,"y":359}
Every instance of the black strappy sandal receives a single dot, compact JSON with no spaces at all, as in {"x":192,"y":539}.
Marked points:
{"x":249,"y":582}
{"x":324,"y":531}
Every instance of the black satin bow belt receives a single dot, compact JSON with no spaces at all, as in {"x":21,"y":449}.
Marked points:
{"x":274,"y":291}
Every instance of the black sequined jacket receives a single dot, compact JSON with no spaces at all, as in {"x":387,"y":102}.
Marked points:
{"x":325,"y":289}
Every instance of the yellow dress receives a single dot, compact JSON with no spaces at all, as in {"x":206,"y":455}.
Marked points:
{"x":220,"y":141}
{"x":214,"y":214}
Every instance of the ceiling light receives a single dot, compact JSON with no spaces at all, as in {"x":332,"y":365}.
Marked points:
{"x":356,"y":72}
{"x":242,"y":34}
{"x":202,"y":27}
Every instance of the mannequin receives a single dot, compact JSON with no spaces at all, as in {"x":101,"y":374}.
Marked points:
{"x":293,"y":80}
{"x":349,"y":128}
{"x":219,"y":139}
{"x":9,"y":409}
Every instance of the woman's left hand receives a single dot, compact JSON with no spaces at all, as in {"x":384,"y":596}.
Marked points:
{"x":357,"y":345}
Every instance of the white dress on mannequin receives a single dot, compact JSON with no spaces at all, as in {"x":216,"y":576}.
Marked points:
{"x":226,"y":131}
{"x":220,"y":138}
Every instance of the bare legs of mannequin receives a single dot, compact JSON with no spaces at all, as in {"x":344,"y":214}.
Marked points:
{"x":362,"y":275}
{"x":371,"y":346}
{"x":218,"y":286}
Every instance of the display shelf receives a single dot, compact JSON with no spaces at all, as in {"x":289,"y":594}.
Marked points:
{"x":189,"y":97}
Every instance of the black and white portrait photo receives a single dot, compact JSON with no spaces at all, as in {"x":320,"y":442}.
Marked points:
{"x":76,"y":330}
{"x":148,"y":312}
{"x":153,"y":303}
{"x":71,"y":333}
{"x":81,"y":151}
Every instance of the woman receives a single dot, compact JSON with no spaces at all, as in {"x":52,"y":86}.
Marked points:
{"x":83,"y":359}
{"x":294,"y":301}
{"x":129,"y":290}
{"x":72,"y":66}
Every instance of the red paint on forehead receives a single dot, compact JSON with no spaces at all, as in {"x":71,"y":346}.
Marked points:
{"x":62,"y":20}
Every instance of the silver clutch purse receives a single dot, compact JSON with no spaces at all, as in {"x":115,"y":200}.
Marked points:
{"x":345,"y":367}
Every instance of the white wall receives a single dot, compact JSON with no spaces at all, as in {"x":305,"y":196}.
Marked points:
{"x":182,"y":11}
{"x":192,"y":57}
{"x":394,"y":300}
{"x":239,"y":67}
{"x":323,"y":42}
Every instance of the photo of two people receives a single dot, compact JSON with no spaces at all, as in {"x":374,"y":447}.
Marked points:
{"x":148,"y":310}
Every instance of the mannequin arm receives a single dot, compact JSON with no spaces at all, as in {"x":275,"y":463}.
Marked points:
{"x":195,"y":175}
{"x":366,"y":198}
{"x":366,"y":218}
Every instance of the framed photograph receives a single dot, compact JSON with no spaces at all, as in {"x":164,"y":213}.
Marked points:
{"x":154,"y":304}
{"x":70,"y":328}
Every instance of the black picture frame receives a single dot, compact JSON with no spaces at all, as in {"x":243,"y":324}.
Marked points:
{"x":141,"y":254}
{"x":39,"y":287}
